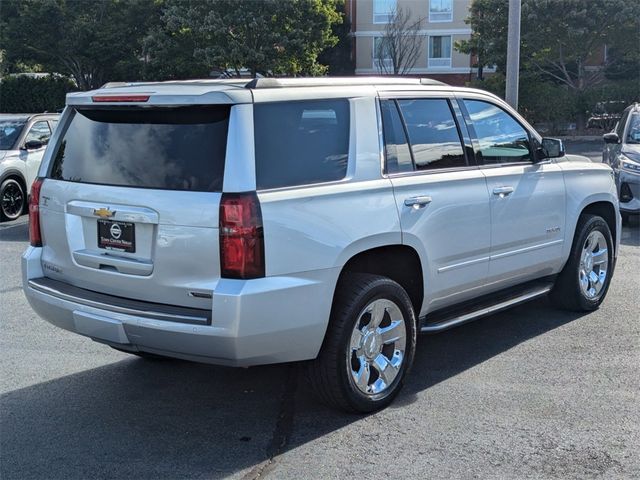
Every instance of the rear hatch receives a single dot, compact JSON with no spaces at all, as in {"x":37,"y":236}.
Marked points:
{"x":130,"y":202}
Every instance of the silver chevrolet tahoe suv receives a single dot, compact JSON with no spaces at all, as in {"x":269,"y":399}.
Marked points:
{"x":324,"y":220}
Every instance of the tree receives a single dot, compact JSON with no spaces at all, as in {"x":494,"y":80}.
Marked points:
{"x":488,"y":41}
{"x":559,"y":37}
{"x":91,"y":41}
{"x":562,"y":36}
{"x":399,"y":47}
{"x":338,"y":58}
{"x":267,"y":37}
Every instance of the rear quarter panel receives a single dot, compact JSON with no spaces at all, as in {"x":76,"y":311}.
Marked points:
{"x":322,"y":226}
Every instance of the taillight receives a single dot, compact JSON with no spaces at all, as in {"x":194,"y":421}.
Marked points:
{"x":241,"y":236}
{"x":35,"y":238}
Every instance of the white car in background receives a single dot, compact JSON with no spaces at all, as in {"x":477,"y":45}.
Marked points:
{"x":23,"y":139}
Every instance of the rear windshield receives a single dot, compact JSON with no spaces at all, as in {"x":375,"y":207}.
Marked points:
{"x":301,"y":143}
{"x":164,"y":148}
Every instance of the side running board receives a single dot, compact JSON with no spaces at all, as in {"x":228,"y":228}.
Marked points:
{"x":439,"y":321}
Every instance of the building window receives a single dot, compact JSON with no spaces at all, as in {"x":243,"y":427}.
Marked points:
{"x":440,"y":11}
{"x":440,"y":52}
{"x":383,"y":10}
{"x":382,"y":60}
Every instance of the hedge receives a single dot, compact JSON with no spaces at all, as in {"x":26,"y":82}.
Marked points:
{"x":24,"y":94}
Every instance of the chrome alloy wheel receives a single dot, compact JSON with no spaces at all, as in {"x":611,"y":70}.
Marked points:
{"x":594,"y":262}
{"x":377,"y":347}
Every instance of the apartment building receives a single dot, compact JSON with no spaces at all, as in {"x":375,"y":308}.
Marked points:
{"x":442,"y":24}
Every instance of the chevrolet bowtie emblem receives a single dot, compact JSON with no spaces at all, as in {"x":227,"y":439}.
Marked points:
{"x":104,"y":212}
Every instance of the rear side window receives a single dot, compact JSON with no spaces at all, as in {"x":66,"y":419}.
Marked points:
{"x":501,"y":138}
{"x":164,"y":148}
{"x":433,"y":134}
{"x":301,"y":143}
{"x":396,"y":147}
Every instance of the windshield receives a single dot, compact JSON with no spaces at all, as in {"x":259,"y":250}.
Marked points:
{"x":633,"y":133}
{"x":9,"y":132}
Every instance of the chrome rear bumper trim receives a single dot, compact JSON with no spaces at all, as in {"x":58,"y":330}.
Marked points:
{"x":135,"y":308}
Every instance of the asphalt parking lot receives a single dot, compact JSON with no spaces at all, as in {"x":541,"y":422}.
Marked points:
{"x":532,"y":392}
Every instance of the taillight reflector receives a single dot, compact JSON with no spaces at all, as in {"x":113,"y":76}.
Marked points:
{"x":120,"y":98}
{"x":35,"y":237}
{"x":241,"y":236}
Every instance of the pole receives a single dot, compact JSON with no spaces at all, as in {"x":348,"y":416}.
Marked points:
{"x":513,"y":54}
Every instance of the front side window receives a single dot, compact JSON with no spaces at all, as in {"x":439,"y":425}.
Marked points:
{"x":633,"y":132}
{"x":433,"y":134}
{"x":165,"y":148}
{"x":383,"y":10}
{"x":440,"y":11}
{"x":621,"y":124}
{"x":440,"y":51}
{"x":501,"y":138}
{"x":40,"y":132}
{"x":301,"y":143}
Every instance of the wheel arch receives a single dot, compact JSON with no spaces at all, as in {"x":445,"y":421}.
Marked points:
{"x":400,"y":263}
{"x":16,"y":175}
{"x":604,"y":205}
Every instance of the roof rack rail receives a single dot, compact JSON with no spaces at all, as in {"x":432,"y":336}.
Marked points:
{"x":257,"y":83}
{"x":236,"y":82}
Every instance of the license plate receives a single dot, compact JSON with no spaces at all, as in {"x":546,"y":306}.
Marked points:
{"x":120,"y":236}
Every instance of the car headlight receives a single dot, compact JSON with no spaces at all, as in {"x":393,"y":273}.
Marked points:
{"x":627,"y":164}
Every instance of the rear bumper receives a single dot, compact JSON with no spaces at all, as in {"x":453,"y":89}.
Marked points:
{"x":268,"y":320}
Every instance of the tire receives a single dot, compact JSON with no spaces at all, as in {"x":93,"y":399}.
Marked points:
{"x":12,"y":200}
{"x":361,"y":301}
{"x":574,"y":288}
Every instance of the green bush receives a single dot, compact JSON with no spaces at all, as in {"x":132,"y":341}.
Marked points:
{"x":24,"y":94}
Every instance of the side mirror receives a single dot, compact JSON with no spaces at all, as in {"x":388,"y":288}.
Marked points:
{"x":552,"y":148}
{"x":33,"y":145}
{"x":611,"y":138}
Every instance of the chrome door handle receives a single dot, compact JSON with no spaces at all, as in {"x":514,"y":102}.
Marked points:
{"x":503,"y":191}
{"x":417,"y":202}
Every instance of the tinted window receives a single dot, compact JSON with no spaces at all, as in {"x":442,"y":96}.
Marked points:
{"x":502,"y":139}
{"x":396,"y":148}
{"x":39,"y":131}
{"x":9,"y":132}
{"x":622,"y":123}
{"x":433,"y":134}
{"x":633,"y":132}
{"x":173,"y":148}
{"x":300,"y":143}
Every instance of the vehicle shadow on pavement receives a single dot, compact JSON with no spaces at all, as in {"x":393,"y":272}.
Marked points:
{"x":170,"y":419}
